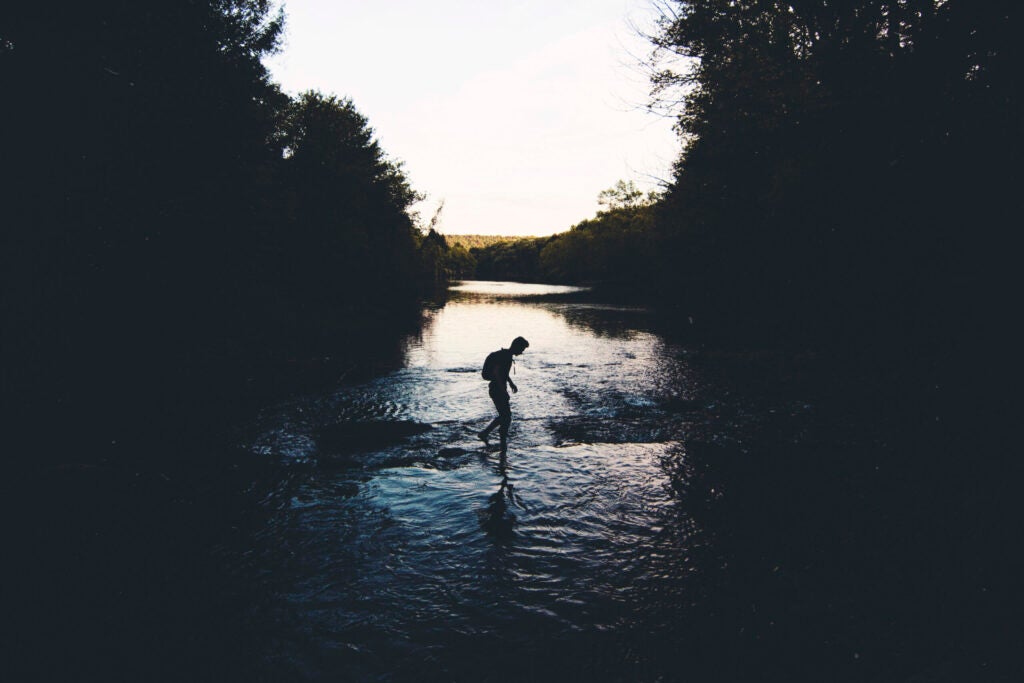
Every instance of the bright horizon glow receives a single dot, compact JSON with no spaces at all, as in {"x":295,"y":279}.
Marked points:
{"x":516,"y":115}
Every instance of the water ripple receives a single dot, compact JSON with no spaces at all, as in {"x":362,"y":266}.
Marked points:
{"x":421,"y":543}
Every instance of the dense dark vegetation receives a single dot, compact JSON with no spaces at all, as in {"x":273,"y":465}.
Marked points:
{"x":170,"y":218}
{"x":847,"y":164}
{"x":613,"y":249}
{"x":470,"y":242}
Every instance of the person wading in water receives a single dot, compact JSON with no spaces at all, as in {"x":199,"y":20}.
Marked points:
{"x":496,"y":371}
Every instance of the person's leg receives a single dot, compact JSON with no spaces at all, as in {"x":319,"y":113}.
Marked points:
{"x":489,"y":428}
{"x":504,"y":416}
{"x":498,"y":397}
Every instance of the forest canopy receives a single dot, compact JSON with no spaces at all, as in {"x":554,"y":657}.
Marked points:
{"x":174,"y":216}
{"x":844,"y":165}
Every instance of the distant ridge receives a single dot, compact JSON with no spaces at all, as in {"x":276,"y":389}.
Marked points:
{"x":481,"y":241}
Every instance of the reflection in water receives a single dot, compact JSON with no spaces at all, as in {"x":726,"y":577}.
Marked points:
{"x":512,"y":289}
{"x":496,"y":518}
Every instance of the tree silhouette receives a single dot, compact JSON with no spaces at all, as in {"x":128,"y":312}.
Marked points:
{"x":174,"y":218}
{"x":833,"y":153}
{"x":348,"y":206}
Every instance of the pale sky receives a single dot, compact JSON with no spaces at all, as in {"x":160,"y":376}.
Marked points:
{"x":515,"y":113}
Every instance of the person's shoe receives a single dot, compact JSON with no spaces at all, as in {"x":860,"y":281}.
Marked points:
{"x":483,"y":436}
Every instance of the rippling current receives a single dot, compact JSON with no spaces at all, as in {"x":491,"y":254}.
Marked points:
{"x":436,"y":550}
{"x":658,"y":514}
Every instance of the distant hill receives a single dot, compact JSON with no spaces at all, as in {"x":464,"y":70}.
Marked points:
{"x":479,"y":241}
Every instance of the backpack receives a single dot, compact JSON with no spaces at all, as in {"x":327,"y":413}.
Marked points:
{"x":488,"y":371}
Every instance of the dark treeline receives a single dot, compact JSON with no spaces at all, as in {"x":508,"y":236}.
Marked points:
{"x":516,"y":260}
{"x":471,"y":242}
{"x":846,"y":165}
{"x":169,"y":216}
{"x":612,"y":249}
{"x":847,"y":169}
{"x":485,"y":257}
{"x":449,"y":258}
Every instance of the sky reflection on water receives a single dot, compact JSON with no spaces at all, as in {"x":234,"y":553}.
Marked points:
{"x":512,"y":289}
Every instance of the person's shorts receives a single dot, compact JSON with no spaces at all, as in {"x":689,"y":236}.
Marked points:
{"x":500,"y":397}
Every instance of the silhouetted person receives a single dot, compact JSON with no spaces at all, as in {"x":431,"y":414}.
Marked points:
{"x":496,"y":369}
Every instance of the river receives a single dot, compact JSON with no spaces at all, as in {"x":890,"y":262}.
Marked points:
{"x":662,"y":511}
{"x":438,"y":548}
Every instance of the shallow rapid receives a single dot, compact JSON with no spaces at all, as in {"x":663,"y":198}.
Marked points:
{"x":662,"y":512}
{"x":437,"y":547}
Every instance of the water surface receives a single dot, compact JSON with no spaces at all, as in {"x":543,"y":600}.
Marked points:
{"x":661,"y":512}
{"x":441,"y":548}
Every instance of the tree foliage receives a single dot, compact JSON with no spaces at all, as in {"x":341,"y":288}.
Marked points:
{"x":613,"y":248}
{"x":518,"y":260}
{"x":834,"y":155}
{"x":478,"y":241}
{"x":625,"y":195}
{"x":347,"y":207}
{"x":173,"y":217}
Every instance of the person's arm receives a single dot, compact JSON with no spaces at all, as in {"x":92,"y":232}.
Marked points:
{"x":508,"y":378}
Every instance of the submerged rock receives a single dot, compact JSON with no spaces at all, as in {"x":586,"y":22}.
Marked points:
{"x":366,"y":436}
{"x":681,"y":405}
